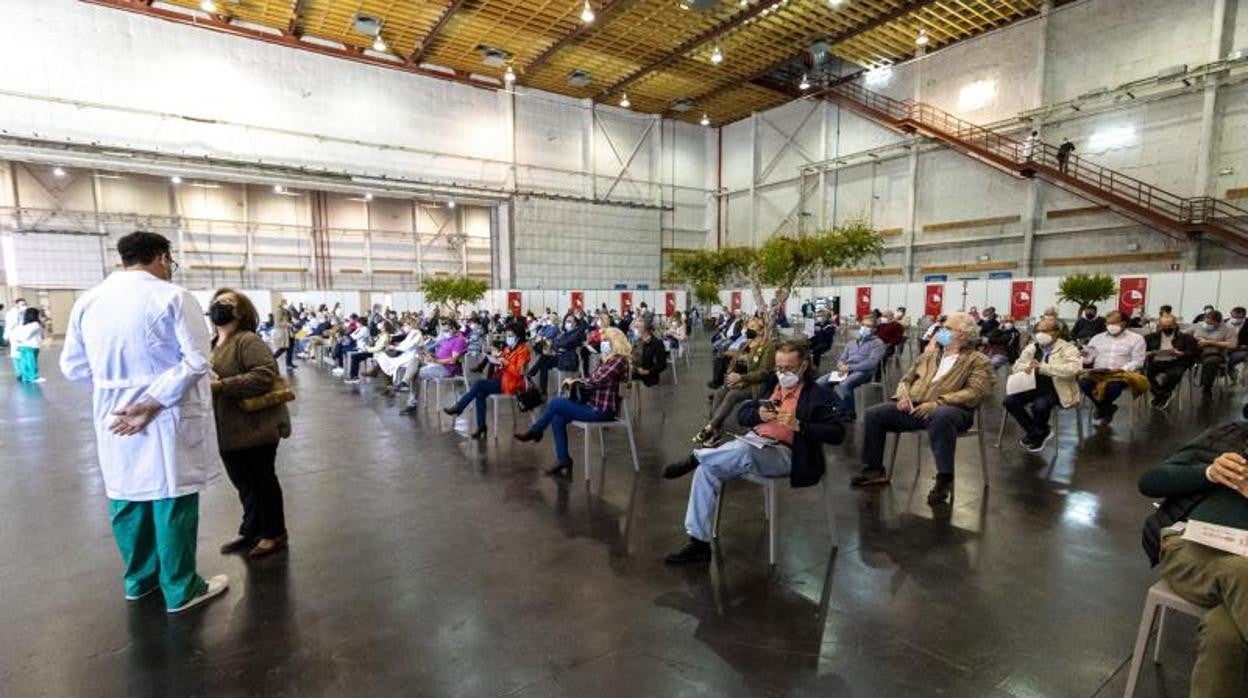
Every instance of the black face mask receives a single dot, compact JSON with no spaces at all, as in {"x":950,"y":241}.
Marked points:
{"x":1167,"y":331}
{"x":221,"y":314}
{"x":751,"y":334}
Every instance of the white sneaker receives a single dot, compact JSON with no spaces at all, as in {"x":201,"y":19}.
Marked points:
{"x":40,"y":379}
{"x":145,"y":594}
{"x":337,"y":372}
{"x":216,"y":586}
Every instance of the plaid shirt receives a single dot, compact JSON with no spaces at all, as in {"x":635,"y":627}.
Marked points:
{"x":604,"y":384}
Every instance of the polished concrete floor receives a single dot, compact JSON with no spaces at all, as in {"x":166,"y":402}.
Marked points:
{"x":423,"y":565}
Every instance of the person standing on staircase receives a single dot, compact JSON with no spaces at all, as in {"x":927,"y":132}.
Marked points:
{"x":1063,"y":155}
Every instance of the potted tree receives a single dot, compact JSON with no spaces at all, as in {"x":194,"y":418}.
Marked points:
{"x":451,"y":292}
{"x":1086,"y":289}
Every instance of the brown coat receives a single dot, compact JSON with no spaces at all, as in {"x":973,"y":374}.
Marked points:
{"x":245,"y":368}
{"x":967,"y":384}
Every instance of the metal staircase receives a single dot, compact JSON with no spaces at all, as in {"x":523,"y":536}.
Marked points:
{"x":1180,"y":217}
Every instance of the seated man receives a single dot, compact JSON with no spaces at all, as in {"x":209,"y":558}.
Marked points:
{"x":1215,"y":340}
{"x":858,"y":363}
{"x":1169,"y":352}
{"x":750,"y":367}
{"x":1240,"y":352}
{"x":1001,"y":343}
{"x":1116,"y":357}
{"x":1057,"y":364}
{"x":796,"y":421}
{"x":825,"y":335}
{"x":1206,"y":480}
{"x":892,"y":334}
{"x":442,"y":362}
{"x":649,"y":357}
{"x":939,"y":394}
{"x":1090,"y":325}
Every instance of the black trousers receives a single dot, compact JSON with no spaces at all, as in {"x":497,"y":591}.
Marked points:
{"x":1041,"y":402}
{"x":289,"y":351}
{"x":1210,"y":368}
{"x":1164,"y":377}
{"x":541,"y":368}
{"x":254,"y":474}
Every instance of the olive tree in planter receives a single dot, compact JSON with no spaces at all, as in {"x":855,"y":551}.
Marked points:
{"x":781,"y":262}
{"x":1086,"y":289}
{"x":451,"y":292}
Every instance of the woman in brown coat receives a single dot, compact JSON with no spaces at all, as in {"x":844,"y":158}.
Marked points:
{"x":245,"y":368}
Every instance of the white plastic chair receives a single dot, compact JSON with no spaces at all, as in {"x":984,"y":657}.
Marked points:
{"x":1055,"y":421}
{"x":1160,"y":598}
{"x":769,"y":510}
{"x":495,"y":400}
{"x":452,"y":381}
{"x":622,"y":421}
{"x":975,"y":431}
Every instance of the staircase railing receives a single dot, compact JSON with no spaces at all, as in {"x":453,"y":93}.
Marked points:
{"x":1020,"y":156}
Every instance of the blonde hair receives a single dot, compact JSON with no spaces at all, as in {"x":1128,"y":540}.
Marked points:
{"x":619,"y":343}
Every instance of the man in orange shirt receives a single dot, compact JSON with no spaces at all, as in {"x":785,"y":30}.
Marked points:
{"x":788,"y":429}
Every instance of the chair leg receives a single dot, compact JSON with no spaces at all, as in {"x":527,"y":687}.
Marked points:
{"x":1161,"y":630}
{"x":587,"y":439}
{"x":632,"y":446}
{"x":773,"y":520}
{"x":983,"y":457}
{"x":1141,"y":646}
{"x":719,"y":509}
{"x":892,"y":462}
{"x":1001,"y":431}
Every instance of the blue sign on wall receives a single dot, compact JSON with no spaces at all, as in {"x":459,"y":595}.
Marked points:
{"x":936,"y":278}
{"x":1000,"y":275}
{"x":621,"y":287}
{"x":643,"y":287}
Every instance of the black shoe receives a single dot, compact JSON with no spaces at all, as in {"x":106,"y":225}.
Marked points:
{"x":693,"y":551}
{"x":704,"y":435}
{"x":1107,"y":415}
{"x":1035,"y":444}
{"x":1161,"y":403}
{"x":677,"y":470}
{"x":408,"y":409}
{"x":562,"y":470}
{"x":941,"y":491}
{"x":868,"y":477}
{"x":239,"y":545}
{"x":452,"y":411}
{"x":534,"y":436}
{"x":479,"y":434}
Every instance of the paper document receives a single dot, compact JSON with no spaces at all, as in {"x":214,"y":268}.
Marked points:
{"x":835,"y":377}
{"x":1020,"y":382}
{"x":755,"y":440}
{"x":1225,"y":538}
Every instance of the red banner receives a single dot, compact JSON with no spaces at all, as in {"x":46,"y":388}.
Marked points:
{"x":1020,"y":300}
{"x":863,"y":297}
{"x":578,"y":300}
{"x":626,"y":301}
{"x":513,"y":303}
{"x":934,"y":300}
{"x":669,"y":304}
{"x":736,"y":301}
{"x":1132,"y":293}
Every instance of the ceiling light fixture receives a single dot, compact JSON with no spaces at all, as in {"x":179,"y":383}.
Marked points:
{"x":717,"y":56}
{"x":279,"y":189}
{"x":379,"y":44}
{"x":450,"y":204}
{"x":368,"y":196}
{"x":804,"y":84}
{"x":58,"y":171}
{"x":706,"y":120}
{"x":208,"y":6}
{"x":624,"y":101}
{"x":587,"y":13}
{"x":836,"y":3}
{"x":509,"y":76}
{"x":175,"y":179}
{"x":923,"y":38}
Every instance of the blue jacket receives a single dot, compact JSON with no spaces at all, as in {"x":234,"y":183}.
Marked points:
{"x":566,"y":346}
{"x":821,"y":424}
{"x":863,"y":354}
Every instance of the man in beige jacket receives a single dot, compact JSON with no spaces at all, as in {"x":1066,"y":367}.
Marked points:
{"x":939,"y":394}
{"x":1056,"y":364}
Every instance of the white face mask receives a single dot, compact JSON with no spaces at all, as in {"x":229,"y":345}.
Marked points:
{"x":1236,"y":321}
{"x":605,"y":348}
{"x":511,"y":341}
{"x":1007,"y":325}
{"x":569,"y":326}
{"x":787,"y":379}
{"x":1114,"y":330}
{"x":1044,"y":339}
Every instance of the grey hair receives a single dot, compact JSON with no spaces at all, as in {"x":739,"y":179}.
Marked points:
{"x":964,"y":323}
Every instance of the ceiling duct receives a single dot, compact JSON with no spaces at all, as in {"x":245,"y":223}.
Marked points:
{"x":682,"y":105}
{"x":702,"y":5}
{"x":820,"y":51}
{"x":369,"y":26}
{"x":579,"y":78}
{"x":493,"y":57}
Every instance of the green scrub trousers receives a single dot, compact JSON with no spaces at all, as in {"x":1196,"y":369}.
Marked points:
{"x":27,"y":364}
{"x":157,"y":543}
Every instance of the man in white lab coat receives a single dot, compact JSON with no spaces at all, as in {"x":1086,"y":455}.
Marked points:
{"x":12,"y":320}
{"x":143,"y":344}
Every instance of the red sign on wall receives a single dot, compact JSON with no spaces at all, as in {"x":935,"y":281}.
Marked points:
{"x":1020,"y":299}
{"x":513,"y":303}
{"x":669,"y":303}
{"x":578,"y":300}
{"x":626,"y":301}
{"x":735,"y":303}
{"x":934,"y":300}
{"x":1132,"y":293}
{"x":863,"y":297}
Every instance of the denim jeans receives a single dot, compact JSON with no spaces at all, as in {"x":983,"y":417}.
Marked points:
{"x":558,"y":413}
{"x":480,"y":390}
{"x":716,"y":466}
{"x":844,"y":391}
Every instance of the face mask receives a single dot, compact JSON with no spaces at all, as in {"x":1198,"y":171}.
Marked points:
{"x":511,"y":341}
{"x":864,"y":332}
{"x":1090,"y":314}
{"x":751,"y":334}
{"x":604,"y":348}
{"x":1167,"y":331}
{"x":1211,"y":326}
{"x":787,"y":379}
{"x":1044,"y":339}
{"x":1007,"y":326}
{"x":944,"y":337}
{"x":569,"y":326}
{"x":1236,"y":321}
{"x":221,"y":314}
{"x":1114,"y":330}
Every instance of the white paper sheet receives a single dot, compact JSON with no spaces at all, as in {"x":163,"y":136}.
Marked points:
{"x":1020,"y":382}
{"x":1225,"y":538}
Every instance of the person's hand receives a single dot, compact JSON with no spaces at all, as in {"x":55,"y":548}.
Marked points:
{"x":216,"y":386}
{"x":789,"y":420}
{"x":905,"y":406}
{"x":132,"y":419}
{"x":767,"y":412}
{"x":925,"y":409}
{"x":842,"y":367}
{"x":1229,"y":469}
{"x":643,"y":371}
{"x":732,"y":378}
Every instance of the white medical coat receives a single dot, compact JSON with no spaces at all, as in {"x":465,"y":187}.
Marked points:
{"x":135,"y":337}
{"x":12,"y":320}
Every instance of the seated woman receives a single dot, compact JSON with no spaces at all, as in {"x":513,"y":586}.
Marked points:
{"x":751,"y":365}
{"x":649,"y":355}
{"x":602,"y":400}
{"x":676,"y":333}
{"x":559,"y":352}
{"x":379,"y":344}
{"x":507,"y":379}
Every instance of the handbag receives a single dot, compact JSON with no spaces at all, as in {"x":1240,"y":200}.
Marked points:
{"x":529,"y":398}
{"x":578,"y":392}
{"x":278,"y":394}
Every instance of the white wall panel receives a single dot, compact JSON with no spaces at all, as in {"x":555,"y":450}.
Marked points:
{"x":1199,"y":288}
{"x":570,"y":243}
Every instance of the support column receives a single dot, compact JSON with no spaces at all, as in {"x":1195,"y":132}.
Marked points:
{"x":588,"y":159}
{"x":823,"y":170}
{"x":1223,"y":33}
{"x":1032,"y":205}
{"x":754,"y":179}
{"x":912,"y":210}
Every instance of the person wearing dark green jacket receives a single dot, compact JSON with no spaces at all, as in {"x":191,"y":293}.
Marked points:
{"x":1210,"y":476}
{"x":752,"y":364}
